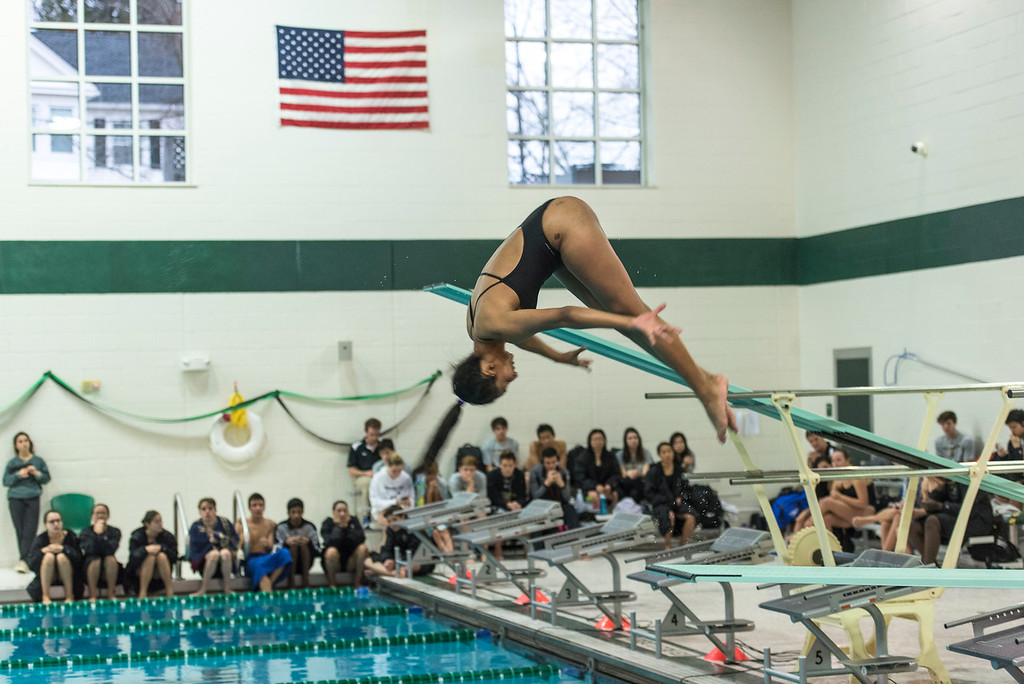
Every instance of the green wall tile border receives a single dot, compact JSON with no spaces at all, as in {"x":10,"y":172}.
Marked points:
{"x":981,"y":232}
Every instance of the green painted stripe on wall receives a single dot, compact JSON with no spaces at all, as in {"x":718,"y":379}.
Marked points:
{"x":40,"y":267}
{"x":982,"y":232}
{"x":979,"y":233}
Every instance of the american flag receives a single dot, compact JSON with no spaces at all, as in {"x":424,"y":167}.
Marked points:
{"x":352,"y":79}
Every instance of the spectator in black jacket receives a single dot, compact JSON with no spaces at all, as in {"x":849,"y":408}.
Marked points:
{"x":383,"y":563}
{"x":597,"y":472}
{"x":506,"y":485}
{"x":550,"y":481}
{"x":55,"y":556}
{"x":506,"y":488}
{"x":343,"y":539}
{"x":152,"y":551}
{"x":666,"y":495}
{"x":99,"y":543}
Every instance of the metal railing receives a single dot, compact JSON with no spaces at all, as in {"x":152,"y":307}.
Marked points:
{"x":239,"y":515}
{"x":1013,"y":390}
{"x":180,"y":532}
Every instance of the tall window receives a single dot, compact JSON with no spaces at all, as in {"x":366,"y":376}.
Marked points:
{"x":107,"y":86}
{"x":574,"y":100}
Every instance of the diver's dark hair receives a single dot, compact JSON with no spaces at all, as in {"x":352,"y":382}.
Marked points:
{"x":441,"y":434}
{"x":470,"y":384}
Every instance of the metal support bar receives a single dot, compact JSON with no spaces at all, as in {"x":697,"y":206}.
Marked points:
{"x":239,"y":510}
{"x":808,"y":478}
{"x":180,"y":528}
{"x":863,"y":473}
{"x":978,"y":471}
{"x":1012,"y":390}
{"x":907,"y":513}
{"x":762,"y":498}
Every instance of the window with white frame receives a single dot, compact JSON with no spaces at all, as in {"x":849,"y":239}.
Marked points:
{"x":574,"y":101}
{"x":107,"y":89}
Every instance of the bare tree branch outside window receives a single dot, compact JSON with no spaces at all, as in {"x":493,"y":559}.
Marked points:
{"x":574,"y":103}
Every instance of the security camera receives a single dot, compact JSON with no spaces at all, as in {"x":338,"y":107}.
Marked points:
{"x":920,"y":147}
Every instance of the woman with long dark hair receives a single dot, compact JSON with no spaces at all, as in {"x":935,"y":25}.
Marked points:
{"x":634,"y":460}
{"x":24,"y":477}
{"x":596,"y":471}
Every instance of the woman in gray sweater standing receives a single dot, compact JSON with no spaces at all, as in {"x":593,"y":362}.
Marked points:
{"x":24,"y":477}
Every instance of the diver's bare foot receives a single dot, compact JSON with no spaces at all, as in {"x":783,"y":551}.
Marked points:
{"x":201,"y":592}
{"x":717,"y":406}
{"x":47,"y":599}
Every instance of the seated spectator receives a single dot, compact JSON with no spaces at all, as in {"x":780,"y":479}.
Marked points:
{"x":436,"y":489}
{"x":597,"y":473}
{"x":152,"y":551}
{"x":344,"y":545}
{"x":1014,"y":451}
{"x":545,"y":439}
{"x":942,"y":506}
{"x":634,"y":460}
{"x":405,"y":543}
{"x":506,"y":488}
{"x":680,"y":446}
{"x":952,"y":444}
{"x":819,"y":447}
{"x":550,"y":481}
{"x":386,"y":449}
{"x":846,"y":499}
{"x":889,"y":517}
{"x":362,"y":456}
{"x":506,"y":485}
{"x":99,"y":543}
{"x":390,"y":486}
{"x":494,"y":446}
{"x":213,"y":546}
{"x":55,"y":556}
{"x":467,"y":478}
{"x":299,"y":537}
{"x":664,"y":492}
{"x":266,"y":564}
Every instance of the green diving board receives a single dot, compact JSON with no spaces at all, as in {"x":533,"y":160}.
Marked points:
{"x":840,"y":432}
{"x":845,"y":575}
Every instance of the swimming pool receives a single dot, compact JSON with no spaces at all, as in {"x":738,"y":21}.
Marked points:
{"x":318,"y":635}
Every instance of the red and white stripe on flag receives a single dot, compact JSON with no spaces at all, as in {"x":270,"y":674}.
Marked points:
{"x":384,"y":85}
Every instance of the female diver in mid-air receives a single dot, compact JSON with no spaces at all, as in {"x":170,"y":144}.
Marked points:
{"x":563,"y":238}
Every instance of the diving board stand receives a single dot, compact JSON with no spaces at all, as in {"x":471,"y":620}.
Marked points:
{"x":1003,"y":648}
{"x":808,"y":604}
{"x":539,"y":515}
{"x":621,"y":532}
{"x":737,"y":545}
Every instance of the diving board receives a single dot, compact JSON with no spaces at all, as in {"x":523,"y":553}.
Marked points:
{"x":839,"y":432}
{"x":846,"y":575}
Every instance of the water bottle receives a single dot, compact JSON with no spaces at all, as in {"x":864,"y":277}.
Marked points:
{"x":421,"y":489}
{"x":604,"y":505}
{"x":579,"y":501}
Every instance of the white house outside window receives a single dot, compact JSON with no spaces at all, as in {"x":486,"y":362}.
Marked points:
{"x":107,"y":89}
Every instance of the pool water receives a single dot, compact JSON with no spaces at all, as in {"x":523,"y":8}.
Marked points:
{"x":318,"y":635}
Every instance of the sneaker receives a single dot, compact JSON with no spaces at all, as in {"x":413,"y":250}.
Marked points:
{"x":21,"y":566}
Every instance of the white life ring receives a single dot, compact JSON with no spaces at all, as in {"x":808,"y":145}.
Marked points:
{"x":225,"y":440}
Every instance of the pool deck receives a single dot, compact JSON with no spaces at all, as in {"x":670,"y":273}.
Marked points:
{"x":575,"y":639}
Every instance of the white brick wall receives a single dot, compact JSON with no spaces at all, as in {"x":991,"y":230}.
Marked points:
{"x":871,"y":78}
